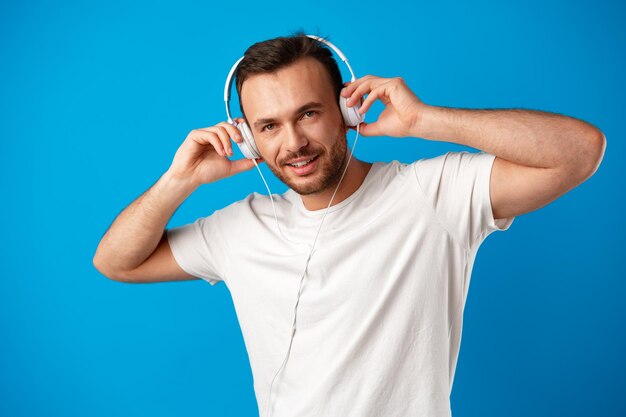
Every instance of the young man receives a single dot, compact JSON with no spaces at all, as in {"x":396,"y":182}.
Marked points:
{"x":380,"y":315}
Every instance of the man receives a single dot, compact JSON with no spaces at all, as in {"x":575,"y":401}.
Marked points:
{"x":380,"y":314}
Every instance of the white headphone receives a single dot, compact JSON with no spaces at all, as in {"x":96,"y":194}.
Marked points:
{"x":351,"y":115}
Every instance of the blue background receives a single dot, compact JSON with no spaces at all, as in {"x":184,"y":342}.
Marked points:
{"x":96,"y":99}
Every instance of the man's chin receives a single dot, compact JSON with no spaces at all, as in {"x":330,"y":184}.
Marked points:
{"x":312,"y":183}
{"x":303,"y":185}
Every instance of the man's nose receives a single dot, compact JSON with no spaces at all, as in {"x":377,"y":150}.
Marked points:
{"x":295,"y":139}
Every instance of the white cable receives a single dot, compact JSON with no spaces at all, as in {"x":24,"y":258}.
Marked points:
{"x":293,"y":328}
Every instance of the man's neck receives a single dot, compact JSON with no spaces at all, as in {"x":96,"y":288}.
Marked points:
{"x":352,"y":180}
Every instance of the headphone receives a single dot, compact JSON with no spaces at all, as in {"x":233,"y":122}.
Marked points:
{"x":351,"y":115}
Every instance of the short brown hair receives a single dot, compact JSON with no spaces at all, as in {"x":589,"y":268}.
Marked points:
{"x":271,"y":55}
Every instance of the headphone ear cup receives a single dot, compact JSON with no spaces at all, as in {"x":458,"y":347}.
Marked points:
{"x":248,"y":147}
{"x":351,"y":115}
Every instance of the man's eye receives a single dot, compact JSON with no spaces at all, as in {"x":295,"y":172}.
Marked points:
{"x":310,"y":111}
{"x":266,"y":126}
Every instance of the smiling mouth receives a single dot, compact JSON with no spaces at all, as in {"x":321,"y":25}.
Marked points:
{"x":305,"y":169}
{"x":303,"y":163}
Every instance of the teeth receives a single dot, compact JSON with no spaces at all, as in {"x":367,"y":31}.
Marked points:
{"x":302,"y":163}
{"x":299,"y":164}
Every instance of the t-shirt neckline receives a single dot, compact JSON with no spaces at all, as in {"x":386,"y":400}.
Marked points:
{"x":368,"y":178}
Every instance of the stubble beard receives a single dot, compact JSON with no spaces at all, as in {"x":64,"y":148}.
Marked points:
{"x":328,"y":172}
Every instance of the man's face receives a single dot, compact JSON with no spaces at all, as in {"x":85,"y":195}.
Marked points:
{"x":293,"y":114}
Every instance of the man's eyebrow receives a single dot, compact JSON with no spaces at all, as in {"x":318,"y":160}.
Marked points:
{"x":307,"y":106}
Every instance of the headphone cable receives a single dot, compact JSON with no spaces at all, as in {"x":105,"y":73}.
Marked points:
{"x":293,"y":329}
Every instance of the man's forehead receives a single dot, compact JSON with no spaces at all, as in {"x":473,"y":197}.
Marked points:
{"x":302,"y":71}
{"x":288,"y":90}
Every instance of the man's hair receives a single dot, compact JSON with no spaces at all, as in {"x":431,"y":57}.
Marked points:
{"x":274,"y":54}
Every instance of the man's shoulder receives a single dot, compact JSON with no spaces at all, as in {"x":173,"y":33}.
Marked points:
{"x":430,"y":169}
{"x":449,"y":158}
{"x":388,"y":170}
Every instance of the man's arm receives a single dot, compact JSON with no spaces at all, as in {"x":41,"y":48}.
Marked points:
{"x":539,"y":156}
{"x":138,"y":233}
{"x":135,"y":248}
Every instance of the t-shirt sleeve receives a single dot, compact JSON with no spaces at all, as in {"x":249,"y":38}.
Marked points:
{"x":457,"y":187}
{"x":199,"y":248}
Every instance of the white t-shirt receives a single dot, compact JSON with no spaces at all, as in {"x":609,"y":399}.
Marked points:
{"x":380,"y":314}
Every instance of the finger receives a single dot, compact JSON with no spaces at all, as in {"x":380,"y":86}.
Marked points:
{"x":370,"y":129}
{"x":361,"y":90}
{"x":224,"y":139}
{"x":362,"y":84}
{"x":203,"y":137}
{"x":240,"y":165}
{"x":233,"y":132}
{"x":353,"y":85}
{"x":366,"y":88}
{"x":371,"y":97}
{"x":219,"y":134}
{"x":243,"y":164}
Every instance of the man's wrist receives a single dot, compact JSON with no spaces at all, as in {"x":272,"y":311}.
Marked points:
{"x":176,"y":188}
{"x":428,"y":122}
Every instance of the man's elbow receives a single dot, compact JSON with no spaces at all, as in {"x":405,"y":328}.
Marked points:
{"x":595,"y":154}
{"x":101,"y":267}
{"x":587,"y":159}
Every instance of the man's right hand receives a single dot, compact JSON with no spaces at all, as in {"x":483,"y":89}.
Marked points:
{"x":203,"y":156}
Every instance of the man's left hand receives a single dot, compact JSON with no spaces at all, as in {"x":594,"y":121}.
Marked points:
{"x":403,"y":110}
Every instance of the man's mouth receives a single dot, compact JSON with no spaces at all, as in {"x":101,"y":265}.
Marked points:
{"x":304,"y":167}
{"x":303,"y":163}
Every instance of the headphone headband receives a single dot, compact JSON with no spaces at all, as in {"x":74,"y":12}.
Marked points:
{"x":229,"y":79}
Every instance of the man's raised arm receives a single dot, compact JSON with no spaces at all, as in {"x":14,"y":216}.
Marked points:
{"x":539,"y":155}
{"x":135,"y":248}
